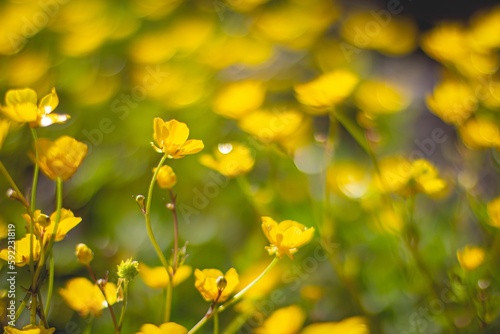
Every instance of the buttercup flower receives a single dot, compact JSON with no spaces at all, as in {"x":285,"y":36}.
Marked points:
{"x":285,"y":237}
{"x":166,"y":177}
{"x":86,"y":298}
{"x":22,"y":255}
{"x":231,"y":159}
{"x":157,"y":277}
{"x":66,"y":223}
{"x":426,"y":177}
{"x":208,"y":283}
{"x":60,"y":158}
{"x":493,"y":208}
{"x":286,"y":320}
{"x":166,"y":328}
{"x":21,"y":106}
{"x":30,"y":329}
{"x":452,"y":101}
{"x":470,"y":257}
{"x":239,"y":98}
{"x":326,"y":90}
{"x":353,"y":325}
{"x":84,"y":254}
{"x":171,"y":138}
{"x":480,"y":132}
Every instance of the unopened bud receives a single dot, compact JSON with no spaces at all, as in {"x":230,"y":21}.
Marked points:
{"x":141,"y":200}
{"x":12,"y":194}
{"x":166,"y":177}
{"x":84,"y":254}
{"x":171,"y":206}
{"x":43,"y":220}
{"x":221,"y":283}
{"x":128,"y":269}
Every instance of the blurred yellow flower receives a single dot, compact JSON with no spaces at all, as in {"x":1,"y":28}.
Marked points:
{"x":482,"y":25}
{"x":353,"y":325}
{"x":285,"y":320}
{"x":349,"y":179}
{"x":21,"y":106}
{"x":239,"y":98}
{"x":493,"y":209}
{"x":380,"y":31}
{"x":60,"y":158}
{"x":272,"y":126}
{"x":245,"y":5}
{"x":171,"y":138}
{"x":446,"y":42}
{"x":229,"y":159}
{"x":471,"y":257}
{"x":86,"y":298}
{"x":22,"y":255}
{"x":394,"y":174}
{"x":376,"y":97}
{"x":426,"y":177}
{"x":285,"y":237}
{"x":166,"y":177}
{"x":157,"y":277}
{"x":4,"y":130}
{"x":166,"y":328}
{"x":326,"y":90}
{"x":452,"y":101}
{"x":480,"y":133}
{"x":30,"y":329}
{"x":208,"y":283}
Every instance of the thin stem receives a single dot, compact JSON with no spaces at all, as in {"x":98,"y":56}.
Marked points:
{"x":176,"y":232}
{"x":216,"y":322}
{"x":124,"y":305}
{"x":42,"y":311}
{"x":233,"y":300}
{"x":33,"y":200}
{"x":103,"y":291}
{"x":147,"y":216}
{"x":51,"y":284}
{"x":168,"y":299}
{"x":14,"y":186}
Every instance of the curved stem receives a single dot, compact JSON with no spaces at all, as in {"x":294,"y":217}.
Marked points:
{"x":147,"y":216}
{"x":212,"y":310}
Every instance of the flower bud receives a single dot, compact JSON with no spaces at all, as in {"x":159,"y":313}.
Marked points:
{"x":128,"y":269}
{"x":43,"y":220}
{"x":140,"y":199}
{"x":221,"y":283}
{"x":84,"y":254}
{"x":166,"y":177}
{"x":12,"y":194}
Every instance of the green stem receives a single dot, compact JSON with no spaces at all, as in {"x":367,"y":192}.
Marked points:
{"x":88,"y":329}
{"x":14,"y":186}
{"x":103,"y":291}
{"x":124,"y":306}
{"x":147,"y":216}
{"x":216,"y":322}
{"x":51,"y":283}
{"x":233,"y":300}
{"x":33,"y":200}
{"x":176,"y":234}
{"x":168,"y":299}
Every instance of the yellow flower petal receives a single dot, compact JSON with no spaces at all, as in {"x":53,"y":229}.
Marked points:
{"x":471,"y":257}
{"x":286,"y":320}
{"x":30,"y":329}
{"x":157,"y":277}
{"x":206,"y":283}
{"x":353,"y":325}
{"x":166,"y":328}
{"x":22,"y":255}
{"x":20,"y":105}
{"x":171,"y":138}
{"x":230,"y":159}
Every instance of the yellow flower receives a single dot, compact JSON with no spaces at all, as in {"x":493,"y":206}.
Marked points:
{"x":157,"y":277}
{"x":394,"y":175}
{"x":166,"y":177}
{"x":481,"y":25}
{"x":4,"y":130}
{"x":353,"y":325}
{"x":452,"y":101}
{"x":239,"y":98}
{"x":208,"y":283}
{"x":30,"y":329}
{"x":376,"y":97}
{"x":84,"y":254}
{"x":21,"y":106}
{"x":286,"y":320}
{"x":272,"y":126}
{"x":349,"y":179}
{"x":60,"y":158}
{"x":171,"y":138}
{"x":493,"y":209}
{"x":326,"y":90}
{"x":230,"y":159}
{"x":446,"y":42}
{"x":22,"y":255}
{"x":86,"y":298}
{"x":426,"y":178}
{"x":166,"y":328}
{"x":470,"y":257}
{"x":66,"y":223}
{"x":285,"y":237}
{"x":480,"y":133}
